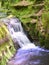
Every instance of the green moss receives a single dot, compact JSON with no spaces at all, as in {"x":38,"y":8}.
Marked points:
{"x":6,"y":48}
{"x":26,"y":14}
{"x":44,"y":40}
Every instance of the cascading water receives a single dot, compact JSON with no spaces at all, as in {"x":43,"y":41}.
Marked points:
{"x":28,"y":54}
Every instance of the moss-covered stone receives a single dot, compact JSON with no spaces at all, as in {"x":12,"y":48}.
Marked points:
{"x":6,"y":45}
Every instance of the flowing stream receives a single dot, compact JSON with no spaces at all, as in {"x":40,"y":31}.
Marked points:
{"x":28,"y":53}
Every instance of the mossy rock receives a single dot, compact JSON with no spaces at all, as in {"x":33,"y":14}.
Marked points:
{"x":7,"y":49}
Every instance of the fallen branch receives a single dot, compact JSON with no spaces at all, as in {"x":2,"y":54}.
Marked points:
{"x":42,"y":4}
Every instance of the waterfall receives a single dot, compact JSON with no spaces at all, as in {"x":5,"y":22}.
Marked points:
{"x":18,"y":35}
{"x":29,"y":53}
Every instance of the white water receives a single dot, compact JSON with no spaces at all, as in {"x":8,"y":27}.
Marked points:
{"x":18,"y":35}
{"x":28,"y":54}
